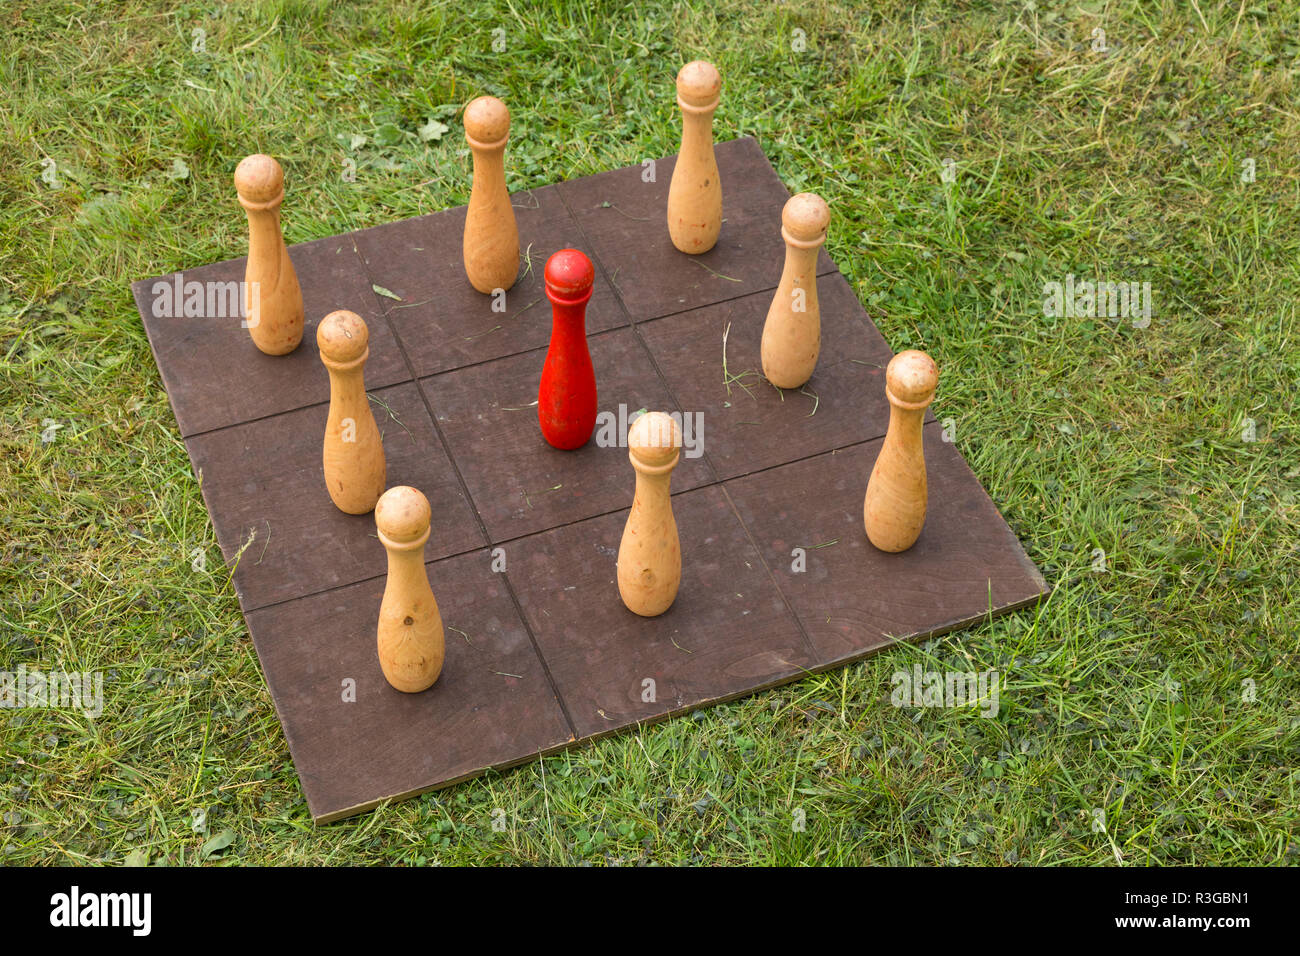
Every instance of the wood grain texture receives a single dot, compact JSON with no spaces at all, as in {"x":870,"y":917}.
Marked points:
{"x":518,"y":482}
{"x":792,"y":331}
{"x":695,"y":192}
{"x":273,"y":298}
{"x":854,"y":599}
{"x":491,"y":239}
{"x":894,"y":508}
{"x":214,"y":374}
{"x":650,"y":552}
{"x":264,"y":485}
{"x":352,"y":453}
{"x":623,"y":218}
{"x":410,"y":634}
{"x":493,"y":705}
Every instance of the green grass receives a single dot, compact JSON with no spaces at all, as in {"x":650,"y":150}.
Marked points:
{"x":1124,"y":165}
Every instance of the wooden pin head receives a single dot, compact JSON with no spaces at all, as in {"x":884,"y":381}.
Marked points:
{"x":402,"y":518}
{"x":259,"y":179}
{"x":910,"y":379}
{"x":654,"y":441}
{"x":487,"y":122}
{"x":805,"y":218}
{"x":342,"y":338}
{"x":569,"y":276}
{"x":698,"y":85}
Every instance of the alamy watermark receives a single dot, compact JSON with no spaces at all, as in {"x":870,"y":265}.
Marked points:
{"x":79,"y":690}
{"x":611,"y":430}
{"x":1100,"y":299}
{"x":75,"y":908}
{"x":178,"y":299}
{"x":918,"y":688}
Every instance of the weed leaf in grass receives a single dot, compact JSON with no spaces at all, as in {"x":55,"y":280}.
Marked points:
{"x":217,"y":844}
{"x":432,"y":130}
{"x":389,"y":134}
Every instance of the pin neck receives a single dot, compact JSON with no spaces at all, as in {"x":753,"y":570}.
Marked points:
{"x":356,"y":363}
{"x":801,"y":243}
{"x":909,"y":406}
{"x":401,"y":546}
{"x":558,"y":299}
{"x":272,"y":203}
{"x":652,"y":470}
{"x":689,"y":108}
{"x":477,"y":144}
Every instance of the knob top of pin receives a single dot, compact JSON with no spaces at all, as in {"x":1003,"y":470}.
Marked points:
{"x":342,"y":336}
{"x":805,"y":217}
{"x":699,"y":83}
{"x":259,"y":178}
{"x":655,"y":439}
{"x":911,"y":377}
{"x":569,"y":274}
{"x":487,"y":120}
{"x":402,"y":514}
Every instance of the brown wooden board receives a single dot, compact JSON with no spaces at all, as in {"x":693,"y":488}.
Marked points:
{"x":257,"y":480}
{"x":494,"y":707}
{"x":749,"y":423}
{"x":727,"y":633}
{"x":853,"y":599}
{"x":520,"y":484}
{"x":541,"y":653}
{"x":213,"y":375}
{"x":442,"y":321}
{"x":625,"y":219}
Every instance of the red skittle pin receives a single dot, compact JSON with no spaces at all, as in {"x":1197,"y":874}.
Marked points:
{"x":566,"y":401}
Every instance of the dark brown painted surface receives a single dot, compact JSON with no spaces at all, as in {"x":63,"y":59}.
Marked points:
{"x":442,"y":321}
{"x":216,"y":376}
{"x":519,"y":483}
{"x":625,"y":220}
{"x":726,"y":633}
{"x":492,"y":706}
{"x":852,"y":598}
{"x":750,"y":424}
{"x":265,"y":479}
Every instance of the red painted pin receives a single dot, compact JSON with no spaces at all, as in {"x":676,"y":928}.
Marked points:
{"x":566,"y":401}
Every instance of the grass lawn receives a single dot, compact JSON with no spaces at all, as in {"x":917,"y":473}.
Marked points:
{"x":1149,"y":712}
